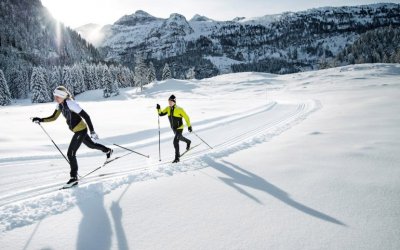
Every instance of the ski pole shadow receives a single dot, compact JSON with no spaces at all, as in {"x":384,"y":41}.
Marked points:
{"x":95,"y":227}
{"x":239,"y":176}
{"x":32,"y":235}
{"x":116,"y":212}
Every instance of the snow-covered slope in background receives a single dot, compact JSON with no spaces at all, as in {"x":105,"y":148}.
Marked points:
{"x":292,"y":41}
{"x":301,"y":161}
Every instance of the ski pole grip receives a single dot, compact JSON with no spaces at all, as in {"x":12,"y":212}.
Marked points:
{"x":37,"y":122}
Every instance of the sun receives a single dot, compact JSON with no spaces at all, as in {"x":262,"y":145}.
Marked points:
{"x":76,"y":13}
{"x":72,"y":13}
{"x":60,"y":10}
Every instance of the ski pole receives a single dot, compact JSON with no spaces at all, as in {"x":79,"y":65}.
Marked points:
{"x":159,"y":139}
{"x":125,"y":148}
{"x":147,"y":156}
{"x":107,"y":162}
{"x":202,"y":139}
{"x":52,"y":141}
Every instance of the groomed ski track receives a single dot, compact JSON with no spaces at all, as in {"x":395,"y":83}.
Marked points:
{"x":227,"y":135}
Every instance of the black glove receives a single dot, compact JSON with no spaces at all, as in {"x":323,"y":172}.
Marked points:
{"x":190,"y":129}
{"x":158,"y":106}
{"x":37,"y":119}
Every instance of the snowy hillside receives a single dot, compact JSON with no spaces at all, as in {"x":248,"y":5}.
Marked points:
{"x":300,"y":161}
{"x":282,"y":43}
{"x":30,"y":36}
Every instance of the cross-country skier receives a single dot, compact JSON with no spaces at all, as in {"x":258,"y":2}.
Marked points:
{"x":73,"y":114}
{"x":175,"y":115}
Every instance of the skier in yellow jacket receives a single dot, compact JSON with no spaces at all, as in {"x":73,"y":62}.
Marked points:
{"x":175,"y":115}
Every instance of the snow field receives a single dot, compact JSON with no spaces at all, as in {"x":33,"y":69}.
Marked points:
{"x":301,"y":161}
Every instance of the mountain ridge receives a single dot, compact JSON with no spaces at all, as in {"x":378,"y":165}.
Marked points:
{"x":295,"y":41}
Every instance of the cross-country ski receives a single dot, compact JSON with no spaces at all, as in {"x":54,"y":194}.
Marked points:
{"x":191,"y":148}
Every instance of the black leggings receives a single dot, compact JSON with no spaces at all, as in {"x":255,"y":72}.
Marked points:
{"x":76,"y":142}
{"x":178,"y":137}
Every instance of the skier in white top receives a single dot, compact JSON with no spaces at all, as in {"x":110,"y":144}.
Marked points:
{"x":73,"y":114}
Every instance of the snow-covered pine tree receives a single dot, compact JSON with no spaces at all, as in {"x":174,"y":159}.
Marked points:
{"x":101,"y":70}
{"x":90,"y":74}
{"x":152,"y":73}
{"x":5,"y":95}
{"x":113,"y":72}
{"x":141,"y":73}
{"x":55,"y":78}
{"x":78,"y":79}
{"x":13,"y":82}
{"x":166,"y":74}
{"x":40,"y":93}
{"x":86,"y":75}
{"x":22,"y":82}
{"x":117,"y":75}
{"x":121,"y":77}
{"x":131,"y":78}
{"x":96,"y":76}
{"x":67,"y":79}
{"x":45,"y":76}
{"x":191,"y":73}
{"x":115,"y":89}
{"x":110,"y":86}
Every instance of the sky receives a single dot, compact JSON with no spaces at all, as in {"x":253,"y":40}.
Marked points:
{"x":75,"y":13}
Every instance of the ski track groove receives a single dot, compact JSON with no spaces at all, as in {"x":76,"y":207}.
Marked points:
{"x":64,"y":199}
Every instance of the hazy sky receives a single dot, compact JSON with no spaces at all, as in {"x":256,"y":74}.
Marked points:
{"x":75,"y":13}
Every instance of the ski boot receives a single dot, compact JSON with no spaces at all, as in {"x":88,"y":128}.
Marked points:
{"x":176,"y":160}
{"x":188,"y":145}
{"x":72,"y":182}
{"x":109,"y":153}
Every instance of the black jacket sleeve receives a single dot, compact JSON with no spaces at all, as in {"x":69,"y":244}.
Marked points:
{"x":53,"y":117}
{"x":85,"y":116}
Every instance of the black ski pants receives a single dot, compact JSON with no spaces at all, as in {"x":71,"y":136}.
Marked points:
{"x":76,"y":141}
{"x":178,"y":137}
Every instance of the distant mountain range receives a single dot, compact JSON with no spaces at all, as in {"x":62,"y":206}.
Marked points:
{"x":284,"y":43}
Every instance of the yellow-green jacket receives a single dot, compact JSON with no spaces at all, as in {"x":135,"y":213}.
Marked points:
{"x":175,"y":115}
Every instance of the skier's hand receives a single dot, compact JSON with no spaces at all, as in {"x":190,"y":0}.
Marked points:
{"x":190,"y":129}
{"x":158,"y":106}
{"x":37,"y":120}
{"x":94,"y":136}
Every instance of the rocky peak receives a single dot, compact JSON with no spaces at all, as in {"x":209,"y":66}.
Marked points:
{"x":139,"y":17}
{"x":199,"y":18}
{"x":177,"y":24}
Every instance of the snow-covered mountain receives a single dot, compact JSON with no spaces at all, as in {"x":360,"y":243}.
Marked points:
{"x":282,"y":43}
{"x":139,"y":18}
{"x":30,"y":36}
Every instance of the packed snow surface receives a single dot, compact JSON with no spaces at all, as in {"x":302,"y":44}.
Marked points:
{"x":301,"y":161}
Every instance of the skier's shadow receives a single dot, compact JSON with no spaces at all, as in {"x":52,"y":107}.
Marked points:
{"x":95,"y":228}
{"x":116,"y":213}
{"x":239,"y":176}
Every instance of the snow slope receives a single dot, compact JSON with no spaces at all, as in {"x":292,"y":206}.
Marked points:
{"x":301,"y":161}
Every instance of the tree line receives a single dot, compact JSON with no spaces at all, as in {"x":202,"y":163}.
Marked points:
{"x":38,"y":83}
